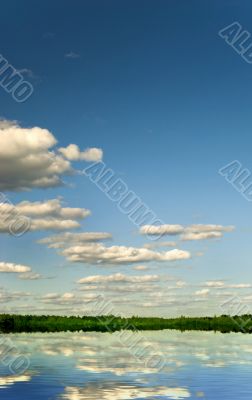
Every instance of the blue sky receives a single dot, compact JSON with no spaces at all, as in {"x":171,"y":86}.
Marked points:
{"x":168,"y":102}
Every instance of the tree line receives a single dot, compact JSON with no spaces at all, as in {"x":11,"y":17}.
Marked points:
{"x":109,"y":323}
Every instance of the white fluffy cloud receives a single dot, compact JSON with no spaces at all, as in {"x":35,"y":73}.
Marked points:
{"x":29,"y":159}
{"x":201,"y":235}
{"x":73,"y":153}
{"x":97,"y":253}
{"x":50,"y":208}
{"x":119,"y":278}
{"x":69,"y":298}
{"x":203,"y":232}
{"x":16,"y":268}
{"x":202,"y":292}
{"x":215,"y":284}
{"x":223,"y":285}
{"x":42,"y":215}
{"x":209,"y":228}
{"x":62,"y":240}
{"x":192,"y":232}
{"x":140,"y":268}
{"x":161,"y":229}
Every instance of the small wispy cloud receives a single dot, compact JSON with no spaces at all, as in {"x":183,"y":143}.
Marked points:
{"x":30,"y":276}
{"x":72,"y":54}
{"x":27,"y":72}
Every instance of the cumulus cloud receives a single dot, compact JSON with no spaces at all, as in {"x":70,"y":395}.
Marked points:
{"x":115,"y":278}
{"x":202,"y":292}
{"x":180,"y":284}
{"x":61,"y":297}
{"x":73,"y":153}
{"x":240,"y":286}
{"x":84,"y":247}
{"x":97,"y":253}
{"x":192,"y":232}
{"x":13,"y":268}
{"x":209,"y":228}
{"x":223,"y":285}
{"x":26,"y":160}
{"x":62,"y":240}
{"x":29,"y":158}
{"x":215,"y":284}
{"x":50,"y":208}
{"x":89,"y":287}
{"x":42,"y":215}
{"x":161,"y":229}
{"x":203,"y":232}
{"x":140,"y":268}
{"x":201,"y":235}
{"x":69,"y":298}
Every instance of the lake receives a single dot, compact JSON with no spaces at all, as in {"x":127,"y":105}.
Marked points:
{"x":127,"y":365}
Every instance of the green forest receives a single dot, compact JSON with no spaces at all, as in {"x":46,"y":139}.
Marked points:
{"x":52,"y":323}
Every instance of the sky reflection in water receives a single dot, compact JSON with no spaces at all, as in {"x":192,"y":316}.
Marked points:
{"x":78,"y":366}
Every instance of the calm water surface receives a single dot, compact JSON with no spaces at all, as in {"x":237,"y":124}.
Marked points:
{"x":76,"y":366}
